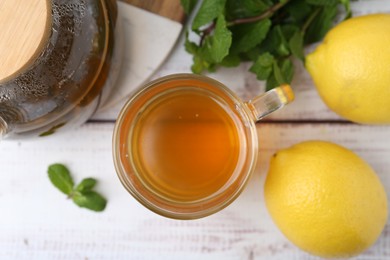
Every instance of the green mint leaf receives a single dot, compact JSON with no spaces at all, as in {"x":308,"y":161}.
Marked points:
{"x":212,"y":67}
{"x":296,"y":45}
{"x":288,"y":31}
{"x":263,"y":66}
{"x":276,"y":42}
{"x":287,"y":69}
{"x":320,"y":24}
{"x":282,"y":46}
{"x":82,"y":195}
{"x":278,"y":74}
{"x":299,"y":10}
{"x":90,"y":200}
{"x":283,"y":72}
{"x":231,"y":61}
{"x":188,"y":5}
{"x":86,"y":184}
{"x":246,"y":8}
{"x":199,"y":65}
{"x":271,"y":82}
{"x":253,"y":54}
{"x":266,"y":60}
{"x":60,"y":177}
{"x":200,"y":56}
{"x":252,"y":35}
{"x":208,"y":11}
{"x":219,"y":43}
{"x":256,"y":6}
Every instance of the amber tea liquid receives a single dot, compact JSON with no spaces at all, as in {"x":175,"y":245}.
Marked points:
{"x":185,"y":144}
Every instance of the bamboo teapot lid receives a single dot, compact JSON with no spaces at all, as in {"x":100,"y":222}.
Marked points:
{"x":24,"y":31}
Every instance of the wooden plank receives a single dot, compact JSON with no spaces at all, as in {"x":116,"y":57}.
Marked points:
{"x":38,"y":222}
{"x":170,"y":9}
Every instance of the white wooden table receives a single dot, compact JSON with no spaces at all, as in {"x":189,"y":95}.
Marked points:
{"x":37,"y":221}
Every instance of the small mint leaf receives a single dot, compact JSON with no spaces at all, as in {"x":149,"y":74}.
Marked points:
{"x":287,"y":69}
{"x":252,"y":35}
{"x":218,"y":45}
{"x":86,"y":184}
{"x":60,"y":177}
{"x":263,"y":66}
{"x":283,"y":72}
{"x":282,"y":46}
{"x":231,"y":61}
{"x":246,"y":8}
{"x":276,"y":42}
{"x":208,"y":11}
{"x":296,"y":45}
{"x":321,"y":24}
{"x":90,"y":200}
{"x":199,"y":64}
{"x":271,"y":82}
{"x":299,"y":10}
{"x":280,"y":79}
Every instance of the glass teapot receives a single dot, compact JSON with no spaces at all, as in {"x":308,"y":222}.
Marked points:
{"x":55,"y":63}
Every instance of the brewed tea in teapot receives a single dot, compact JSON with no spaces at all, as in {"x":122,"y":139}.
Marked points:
{"x":55,"y":62}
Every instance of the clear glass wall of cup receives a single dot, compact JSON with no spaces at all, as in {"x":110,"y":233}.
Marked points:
{"x":185,"y":145}
{"x":56,"y":65}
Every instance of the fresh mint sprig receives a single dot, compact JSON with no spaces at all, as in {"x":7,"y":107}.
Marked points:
{"x":268,"y":33}
{"x":81,"y":194}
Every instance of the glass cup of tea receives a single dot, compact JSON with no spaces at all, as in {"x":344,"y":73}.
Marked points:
{"x":185,"y":145}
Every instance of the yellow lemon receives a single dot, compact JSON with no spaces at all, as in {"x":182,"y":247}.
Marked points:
{"x":351,"y":69}
{"x":325,"y":199}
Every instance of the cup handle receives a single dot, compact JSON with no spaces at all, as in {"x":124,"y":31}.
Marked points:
{"x":272,"y":100}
